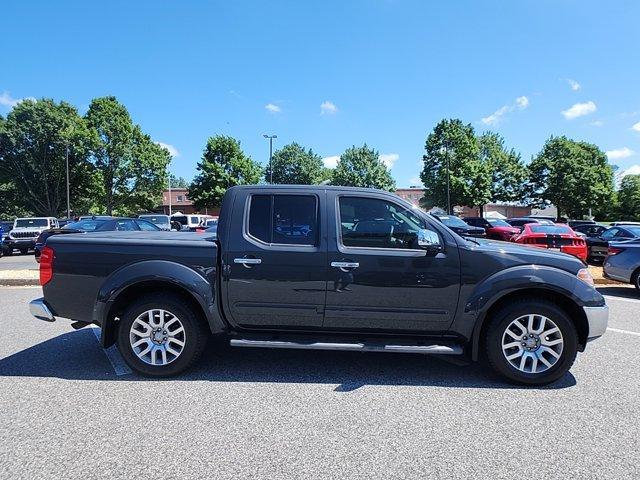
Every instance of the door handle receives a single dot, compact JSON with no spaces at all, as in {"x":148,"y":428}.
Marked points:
{"x":345,"y":264}
{"x":247,"y":262}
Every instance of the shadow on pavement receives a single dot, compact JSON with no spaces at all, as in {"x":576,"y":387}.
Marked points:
{"x":620,"y":291}
{"x":77,"y":356}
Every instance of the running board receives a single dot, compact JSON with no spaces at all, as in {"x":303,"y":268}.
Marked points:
{"x":351,"y":347}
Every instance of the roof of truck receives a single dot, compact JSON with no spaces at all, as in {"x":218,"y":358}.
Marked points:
{"x":309,"y":187}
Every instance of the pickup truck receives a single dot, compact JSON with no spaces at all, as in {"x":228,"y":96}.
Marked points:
{"x":323,"y":268}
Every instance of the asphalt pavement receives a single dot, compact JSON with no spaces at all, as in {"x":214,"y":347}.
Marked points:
{"x":243,"y":413}
{"x":18,"y":262}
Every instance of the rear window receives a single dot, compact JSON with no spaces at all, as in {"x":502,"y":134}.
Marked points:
{"x":550,"y":229}
{"x":496,"y":222}
{"x":284,"y":219}
{"x":159,"y":220}
{"x":84,"y":225}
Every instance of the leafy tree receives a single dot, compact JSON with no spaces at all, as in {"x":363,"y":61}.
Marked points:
{"x":574,"y":176}
{"x":293,"y":165}
{"x":33,"y":143}
{"x":178,"y":182}
{"x":509,"y":175}
{"x":454,"y":144}
{"x":132,"y":167}
{"x":362,"y":167}
{"x":629,"y":197}
{"x":223,"y":165}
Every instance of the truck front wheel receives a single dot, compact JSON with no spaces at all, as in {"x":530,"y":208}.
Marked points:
{"x":531,"y":342}
{"x":161,"y":335}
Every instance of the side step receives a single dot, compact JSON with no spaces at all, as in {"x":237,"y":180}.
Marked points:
{"x":352,"y":347}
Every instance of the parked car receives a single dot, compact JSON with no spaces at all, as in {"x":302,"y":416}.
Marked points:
{"x":520,"y":222}
{"x":589,"y":230}
{"x":616,"y":224}
{"x":163,"y":222}
{"x":598,"y":246}
{"x":495,"y":228}
{"x":24,"y":233}
{"x":102,"y":224}
{"x":208,"y":225}
{"x":372,"y":273}
{"x":459,"y":226}
{"x":578,"y":223}
{"x":557,"y":237}
{"x":622,"y":262}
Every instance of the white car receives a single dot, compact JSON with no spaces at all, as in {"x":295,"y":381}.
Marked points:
{"x":24,"y":233}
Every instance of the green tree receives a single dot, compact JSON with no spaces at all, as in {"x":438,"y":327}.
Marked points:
{"x":574,"y":176}
{"x":362,"y":167}
{"x":454,"y":145}
{"x":293,"y":165}
{"x":223,"y":165}
{"x":34,"y":140}
{"x":629,"y":197}
{"x":132,"y":167}
{"x":178,"y":182}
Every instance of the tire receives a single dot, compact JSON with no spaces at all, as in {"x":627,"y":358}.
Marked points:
{"x":155,"y":363}
{"x":539,"y":341}
{"x":635,"y":279}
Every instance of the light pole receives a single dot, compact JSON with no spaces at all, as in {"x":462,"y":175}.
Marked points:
{"x":68,"y":201}
{"x":270,"y":137}
{"x":169,"y":178}
{"x":445,"y":151}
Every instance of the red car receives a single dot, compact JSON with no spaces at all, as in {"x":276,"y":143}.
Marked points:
{"x":495,"y":228}
{"x":553,"y":237}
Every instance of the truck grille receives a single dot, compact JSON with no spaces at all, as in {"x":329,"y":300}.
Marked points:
{"x":24,"y":234}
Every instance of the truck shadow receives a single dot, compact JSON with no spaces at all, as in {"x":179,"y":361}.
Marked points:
{"x":77,"y":356}
{"x":622,"y":291}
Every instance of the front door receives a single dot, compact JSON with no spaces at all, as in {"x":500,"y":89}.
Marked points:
{"x":379,"y":279}
{"x":276,"y":261}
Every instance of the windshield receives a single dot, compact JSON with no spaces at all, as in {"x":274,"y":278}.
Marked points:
{"x":31,"y":222}
{"x":452,"y":221}
{"x":496,"y":222}
{"x":88,"y":225}
{"x":157,"y":219}
{"x":550,"y":229}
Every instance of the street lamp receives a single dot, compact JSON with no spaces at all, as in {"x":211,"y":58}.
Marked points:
{"x":68,"y":202}
{"x":270,"y":137}
{"x":445,"y":151}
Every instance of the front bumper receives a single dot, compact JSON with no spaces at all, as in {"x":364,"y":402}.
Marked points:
{"x":19,"y":243}
{"x":598,"y":319}
{"x":39,"y":309}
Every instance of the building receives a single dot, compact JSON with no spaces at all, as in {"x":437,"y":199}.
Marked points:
{"x":507,"y":210}
{"x":411,"y":194}
{"x":180,"y":202}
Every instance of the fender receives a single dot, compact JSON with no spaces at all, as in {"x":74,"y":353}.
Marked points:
{"x":522,"y":278}
{"x":202,"y":288}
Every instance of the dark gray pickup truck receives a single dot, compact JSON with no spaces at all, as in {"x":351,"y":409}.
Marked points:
{"x":323,"y":268}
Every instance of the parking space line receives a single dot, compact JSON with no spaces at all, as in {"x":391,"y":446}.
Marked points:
{"x":114,"y":357}
{"x":627,"y":332}
{"x":630,"y":300}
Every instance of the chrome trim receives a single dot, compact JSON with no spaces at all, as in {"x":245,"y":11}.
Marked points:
{"x":39,"y":309}
{"x":345,"y":264}
{"x":248,"y":261}
{"x":598,"y":319}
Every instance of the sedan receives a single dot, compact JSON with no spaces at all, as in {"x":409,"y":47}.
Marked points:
{"x":460,"y":227}
{"x":622,"y":262}
{"x":495,"y":228}
{"x":598,"y":245}
{"x":553,"y":237}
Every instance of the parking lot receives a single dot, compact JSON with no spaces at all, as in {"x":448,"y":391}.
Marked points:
{"x":70,"y":409}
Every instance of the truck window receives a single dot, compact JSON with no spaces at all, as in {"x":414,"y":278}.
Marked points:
{"x":374,"y":223}
{"x":284,"y":219}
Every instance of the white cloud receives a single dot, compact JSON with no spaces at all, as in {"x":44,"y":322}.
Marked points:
{"x":632,"y":170}
{"x":331,"y":162}
{"x":173,"y":151}
{"x":273,"y":108}
{"x":575,"y":86}
{"x":597,"y":123}
{"x":389,"y":159}
{"x":619,"y":153}
{"x":636,"y":127}
{"x":415,"y":182}
{"x":7,"y":100}
{"x":328,"y":108}
{"x":520,"y":103}
{"x":579,"y":109}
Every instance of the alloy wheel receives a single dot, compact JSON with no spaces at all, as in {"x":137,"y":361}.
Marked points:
{"x":157,"y":337}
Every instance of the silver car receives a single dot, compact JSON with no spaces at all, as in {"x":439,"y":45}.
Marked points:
{"x":622,"y":262}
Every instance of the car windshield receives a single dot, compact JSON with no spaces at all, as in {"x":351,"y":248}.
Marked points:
{"x":452,"y":221}
{"x":31,"y":222}
{"x":550,"y":229}
{"x":496,"y":222}
{"x":88,"y":225}
{"x":158,"y":220}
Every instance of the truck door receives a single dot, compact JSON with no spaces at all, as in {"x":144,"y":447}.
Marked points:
{"x":276,"y":259}
{"x":379,"y":279}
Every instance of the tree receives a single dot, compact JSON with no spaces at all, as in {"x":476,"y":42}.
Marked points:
{"x":362,"y":167}
{"x":293,"y":165}
{"x":223,"y":165}
{"x":629,"y":197}
{"x":178,"y":182}
{"x":33,"y":144}
{"x":454,"y":144}
{"x":509,"y":175}
{"x":132,"y":167}
{"x":574,"y":176}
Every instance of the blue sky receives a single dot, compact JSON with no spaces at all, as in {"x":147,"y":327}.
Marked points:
{"x":332,"y":74}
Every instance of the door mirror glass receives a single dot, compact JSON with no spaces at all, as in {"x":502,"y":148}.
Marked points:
{"x":428,"y":240}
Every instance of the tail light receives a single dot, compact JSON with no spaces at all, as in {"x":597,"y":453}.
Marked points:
{"x":578,"y":242}
{"x":46,"y":265}
{"x":614,"y":250}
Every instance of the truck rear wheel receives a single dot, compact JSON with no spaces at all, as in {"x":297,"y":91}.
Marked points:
{"x":160,"y":335}
{"x":531,"y":342}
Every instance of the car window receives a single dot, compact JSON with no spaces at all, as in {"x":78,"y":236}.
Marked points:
{"x":31,"y":222}
{"x":375,"y":223}
{"x":284,"y":219}
{"x":496,"y":222}
{"x":550,"y":229}
{"x":147,"y":226}
{"x":126,"y":225}
{"x":259,"y":217}
{"x":609,"y":234}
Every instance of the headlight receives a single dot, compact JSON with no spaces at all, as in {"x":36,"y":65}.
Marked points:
{"x":585,"y":275}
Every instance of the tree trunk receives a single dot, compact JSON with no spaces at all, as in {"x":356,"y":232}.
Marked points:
{"x":481,"y":210}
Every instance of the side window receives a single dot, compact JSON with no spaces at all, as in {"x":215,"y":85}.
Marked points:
{"x":284,"y":219}
{"x":624,"y":234}
{"x":146,"y":226}
{"x":125,"y":225}
{"x":374,"y":223}
{"x":609,"y":234}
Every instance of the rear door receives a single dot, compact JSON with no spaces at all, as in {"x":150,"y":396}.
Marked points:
{"x":275,"y":262}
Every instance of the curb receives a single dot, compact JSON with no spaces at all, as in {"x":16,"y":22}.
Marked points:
{"x":19,"y":282}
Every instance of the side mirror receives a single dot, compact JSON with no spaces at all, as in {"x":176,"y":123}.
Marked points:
{"x":429,"y":240}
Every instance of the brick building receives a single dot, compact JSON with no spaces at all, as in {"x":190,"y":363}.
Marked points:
{"x":180,"y":202}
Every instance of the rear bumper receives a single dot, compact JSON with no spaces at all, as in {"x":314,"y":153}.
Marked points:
{"x":598,"y":319}
{"x":39,"y":309}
